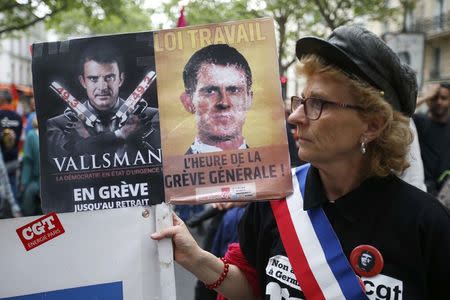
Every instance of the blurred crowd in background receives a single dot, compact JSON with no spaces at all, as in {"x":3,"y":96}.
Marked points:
{"x":19,"y":155}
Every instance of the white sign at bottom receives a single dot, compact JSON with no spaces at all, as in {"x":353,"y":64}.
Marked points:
{"x":101,"y":255}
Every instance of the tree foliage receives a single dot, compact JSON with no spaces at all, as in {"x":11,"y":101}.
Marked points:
{"x":286,"y":14}
{"x":340,"y":12}
{"x":74,"y":17}
{"x":208,"y":11}
{"x":21,"y":15}
{"x":293,"y":18}
{"x":115,"y":17}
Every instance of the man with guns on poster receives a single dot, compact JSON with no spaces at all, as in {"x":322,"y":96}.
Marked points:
{"x":104,"y":117}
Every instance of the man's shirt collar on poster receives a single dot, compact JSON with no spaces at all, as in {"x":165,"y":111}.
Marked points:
{"x":199,"y":147}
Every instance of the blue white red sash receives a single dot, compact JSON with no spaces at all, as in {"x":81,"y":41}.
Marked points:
{"x":321,"y":268}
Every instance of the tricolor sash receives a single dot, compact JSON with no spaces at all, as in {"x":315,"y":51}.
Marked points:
{"x":320,"y":266}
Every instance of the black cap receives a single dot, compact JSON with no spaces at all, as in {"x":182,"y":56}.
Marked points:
{"x":358,"y":52}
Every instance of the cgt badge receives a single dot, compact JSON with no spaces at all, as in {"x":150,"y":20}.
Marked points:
{"x":40,"y":231}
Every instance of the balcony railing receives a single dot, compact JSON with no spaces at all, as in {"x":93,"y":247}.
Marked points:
{"x":433,"y":25}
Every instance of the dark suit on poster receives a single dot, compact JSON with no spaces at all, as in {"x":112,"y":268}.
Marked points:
{"x":67,"y":135}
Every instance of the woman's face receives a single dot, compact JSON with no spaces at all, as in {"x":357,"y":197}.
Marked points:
{"x":337,"y":134}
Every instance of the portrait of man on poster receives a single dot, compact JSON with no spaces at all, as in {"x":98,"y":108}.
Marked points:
{"x":218,"y":92}
{"x":101,"y":73}
{"x":366,"y":261}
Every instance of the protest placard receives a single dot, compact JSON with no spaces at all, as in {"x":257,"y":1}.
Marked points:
{"x":222,"y":115}
{"x":95,"y":255}
{"x":98,"y":121}
{"x":200,"y":104}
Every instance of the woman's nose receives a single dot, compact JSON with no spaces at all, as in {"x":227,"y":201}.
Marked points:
{"x":298,"y":116}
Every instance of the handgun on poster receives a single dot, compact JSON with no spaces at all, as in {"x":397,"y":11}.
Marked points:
{"x":76,"y":106}
{"x":134,"y":103}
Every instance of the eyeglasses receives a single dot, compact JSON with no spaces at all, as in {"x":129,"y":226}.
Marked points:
{"x":313,"y":106}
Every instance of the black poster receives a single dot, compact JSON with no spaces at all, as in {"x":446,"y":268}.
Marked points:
{"x":98,"y":118}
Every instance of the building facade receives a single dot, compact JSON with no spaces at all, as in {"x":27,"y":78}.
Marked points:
{"x":432,"y":17}
{"x":15,"y":55}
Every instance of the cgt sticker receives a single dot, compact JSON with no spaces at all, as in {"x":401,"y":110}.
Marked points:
{"x":40,"y":231}
{"x":383,"y":287}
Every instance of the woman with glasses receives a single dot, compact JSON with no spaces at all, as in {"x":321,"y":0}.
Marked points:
{"x":348,"y":203}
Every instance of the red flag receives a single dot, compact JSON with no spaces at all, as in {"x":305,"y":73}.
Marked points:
{"x":181,"y":19}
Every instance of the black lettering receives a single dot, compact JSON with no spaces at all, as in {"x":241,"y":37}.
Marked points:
{"x":397,"y":292}
{"x":257,"y":174}
{"x":275,"y":262}
{"x":212,"y":177}
{"x":248,"y":174}
{"x":383,"y":292}
{"x":369,"y":291}
{"x":272,"y":171}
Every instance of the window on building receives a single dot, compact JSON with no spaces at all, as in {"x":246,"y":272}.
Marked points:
{"x":29,"y":79}
{"x":22,"y":46}
{"x":439,"y":13}
{"x":22,"y":74}
{"x":435,"y":64}
{"x":409,"y":19}
{"x":13,"y":72}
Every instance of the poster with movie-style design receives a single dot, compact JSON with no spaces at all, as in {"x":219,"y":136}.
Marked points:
{"x":222,"y":116}
{"x":98,"y":119}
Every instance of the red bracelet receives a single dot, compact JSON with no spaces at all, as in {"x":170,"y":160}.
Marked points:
{"x":222,"y":277}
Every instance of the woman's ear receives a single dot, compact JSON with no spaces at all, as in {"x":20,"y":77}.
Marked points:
{"x":186,"y":100}
{"x":374,"y":128}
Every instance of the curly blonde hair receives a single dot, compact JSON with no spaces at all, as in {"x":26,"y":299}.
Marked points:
{"x":388,"y":152}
